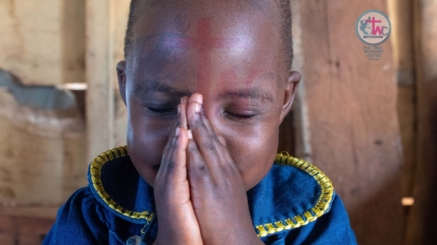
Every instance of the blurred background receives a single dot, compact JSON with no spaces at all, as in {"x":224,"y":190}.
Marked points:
{"x":370,"y":125}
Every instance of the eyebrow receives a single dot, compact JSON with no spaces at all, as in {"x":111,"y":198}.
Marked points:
{"x":141,"y":90}
{"x":252,"y":93}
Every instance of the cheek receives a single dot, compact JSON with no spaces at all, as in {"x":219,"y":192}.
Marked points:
{"x":253,"y":149}
{"x":146,"y":139}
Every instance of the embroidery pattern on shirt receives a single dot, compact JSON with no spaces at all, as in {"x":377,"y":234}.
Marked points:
{"x":321,"y":206}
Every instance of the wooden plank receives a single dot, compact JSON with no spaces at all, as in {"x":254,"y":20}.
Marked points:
{"x":23,"y":231}
{"x":42,"y":42}
{"x":20,"y":225}
{"x":38,"y":148}
{"x":302,"y":147}
{"x":42,"y":212}
{"x":8,"y":239}
{"x":287,"y":135}
{"x":120,"y":13}
{"x":352,"y":116}
{"x":407,"y":110}
{"x":423,"y":219}
{"x":100,"y":93}
{"x":106,"y":113}
{"x":401,"y":16}
{"x":73,"y":41}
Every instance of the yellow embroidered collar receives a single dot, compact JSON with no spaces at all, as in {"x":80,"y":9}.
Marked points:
{"x":315,"y":210}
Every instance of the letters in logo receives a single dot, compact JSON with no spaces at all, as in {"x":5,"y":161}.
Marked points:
{"x":373,"y":27}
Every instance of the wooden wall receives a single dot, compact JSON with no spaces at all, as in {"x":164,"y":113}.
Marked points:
{"x":42,"y":158}
{"x":106,"y":114}
{"x":43,"y":41}
{"x":352,"y":118}
{"x":45,"y":154}
{"x":423,"y":218}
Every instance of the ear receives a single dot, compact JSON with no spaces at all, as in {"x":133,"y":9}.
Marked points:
{"x":290,"y":91}
{"x":121,"y":75}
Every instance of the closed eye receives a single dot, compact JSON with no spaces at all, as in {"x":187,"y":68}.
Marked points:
{"x":163,"y":110}
{"x":240,"y":115}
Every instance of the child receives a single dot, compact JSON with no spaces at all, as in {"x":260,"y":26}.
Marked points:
{"x":206,"y":85}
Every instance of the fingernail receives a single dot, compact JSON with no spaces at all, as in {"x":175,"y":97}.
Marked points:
{"x":200,"y":99}
{"x":197,"y":107}
{"x":177,"y":131}
{"x":190,"y":134}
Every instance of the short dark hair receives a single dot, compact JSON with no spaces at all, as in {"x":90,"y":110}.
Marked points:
{"x":137,"y":7}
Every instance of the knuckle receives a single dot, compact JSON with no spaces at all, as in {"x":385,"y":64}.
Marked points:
{"x":168,"y":162}
{"x":192,"y":147}
{"x":214,"y":137}
{"x":201,"y":167}
{"x":171,"y":165}
{"x":209,"y":145}
{"x":196,"y":124}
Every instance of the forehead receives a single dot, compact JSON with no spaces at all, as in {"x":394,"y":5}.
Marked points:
{"x":151,"y":15}
{"x":206,"y":41}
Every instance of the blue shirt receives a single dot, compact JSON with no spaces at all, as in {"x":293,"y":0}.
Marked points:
{"x":294,"y":203}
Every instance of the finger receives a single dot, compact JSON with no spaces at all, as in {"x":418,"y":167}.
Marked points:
{"x":198,"y":171}
{"x":198,"y":98}
{"x":174,"y":151}
{"x":201,"y":134}
{"x":168,"y":150}
{"x":183,"y":112}
{"x":172,"y":132}
{"x":177,"y":166}
{"x":218,"y":143}
{"x":206,"y":121}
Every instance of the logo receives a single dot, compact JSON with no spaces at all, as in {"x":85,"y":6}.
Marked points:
{"x":373,"y":27}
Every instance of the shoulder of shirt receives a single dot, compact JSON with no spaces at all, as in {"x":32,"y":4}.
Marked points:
{"x":304,"y":178}
{"x":82,"y":201}
{"x":115,"y":162}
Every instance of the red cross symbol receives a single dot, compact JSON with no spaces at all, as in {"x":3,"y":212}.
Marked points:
{"x":377,"y":29}
{"x":204,"y":43}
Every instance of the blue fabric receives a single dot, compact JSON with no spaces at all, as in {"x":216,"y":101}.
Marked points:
{"x":284,"y":192}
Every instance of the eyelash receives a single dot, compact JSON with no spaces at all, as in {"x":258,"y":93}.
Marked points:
{"x":172,"y":111}
{"x":164,"y":111}
{"x":239,"y":116}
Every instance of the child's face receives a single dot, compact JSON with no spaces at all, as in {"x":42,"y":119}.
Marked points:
{"x":233,"y":56}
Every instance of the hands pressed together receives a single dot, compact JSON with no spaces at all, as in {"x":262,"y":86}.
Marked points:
{"x":199,"y":193}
